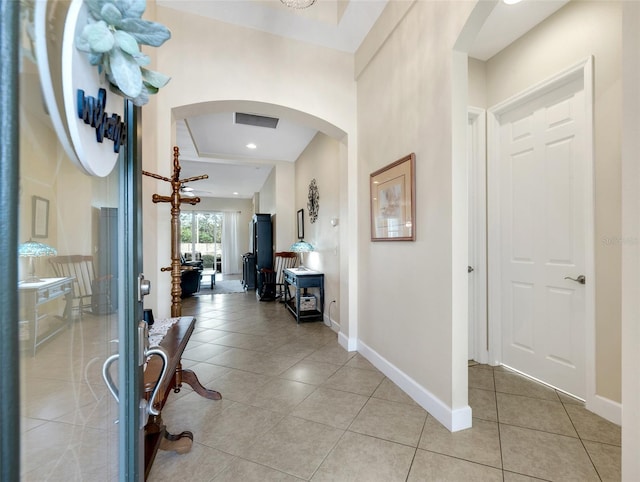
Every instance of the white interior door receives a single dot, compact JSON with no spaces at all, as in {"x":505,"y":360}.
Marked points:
{"x":543,"y":174}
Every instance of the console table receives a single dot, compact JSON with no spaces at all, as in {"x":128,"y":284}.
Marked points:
{"x":35,"y":294}
{"x":301,"y":279}
{"x":156,"y":435}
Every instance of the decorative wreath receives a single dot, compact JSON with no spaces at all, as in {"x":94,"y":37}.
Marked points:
{"x":313,"y":203}
{"x":112,"y":39}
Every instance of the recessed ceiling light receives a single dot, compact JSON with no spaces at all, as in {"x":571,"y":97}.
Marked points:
{"x":511,"y":2}
{"x":251,"y":145}
{"x":235,"y":193}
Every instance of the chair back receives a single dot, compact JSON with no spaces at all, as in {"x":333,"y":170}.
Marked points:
{"x":284,"y":260}
{"x":79,"y":267}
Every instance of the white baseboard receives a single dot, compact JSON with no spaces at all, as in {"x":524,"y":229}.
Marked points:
{"x":607,"y":409}
{"x":349,"y":344}
{"x":454,"y":420}
{"x":331,"y":323}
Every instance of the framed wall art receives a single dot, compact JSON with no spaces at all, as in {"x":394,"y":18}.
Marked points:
{"x":393,"y":201}
{"x":40,"y":217}
{"x":300,"y":223}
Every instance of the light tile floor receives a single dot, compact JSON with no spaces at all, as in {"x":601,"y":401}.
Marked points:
{"x":297,"y":406}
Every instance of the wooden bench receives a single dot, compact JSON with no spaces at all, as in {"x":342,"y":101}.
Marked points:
{"x":156,"y":435}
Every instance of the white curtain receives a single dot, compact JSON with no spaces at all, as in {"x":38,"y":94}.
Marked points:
{"x":230,"y":244}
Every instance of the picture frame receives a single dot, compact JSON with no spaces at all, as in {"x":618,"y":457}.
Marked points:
{"x":300,"y":223}
{"x":392,"y":191}
{"x":40,"y":217}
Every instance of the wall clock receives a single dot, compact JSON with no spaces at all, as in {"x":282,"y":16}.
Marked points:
{"x":313,"y":203}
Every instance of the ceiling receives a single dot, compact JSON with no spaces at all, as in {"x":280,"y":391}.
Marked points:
{"x":237,"y":171}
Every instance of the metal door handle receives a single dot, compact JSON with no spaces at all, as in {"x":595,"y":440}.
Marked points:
{"x":156,"y":350}
{"x":580,"y":279}
{"x":106,"y":375}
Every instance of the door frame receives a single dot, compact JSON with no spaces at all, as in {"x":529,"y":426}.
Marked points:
{"x":581,"y":70}
{"x":9,"y":216}
{"x":477,"y":185}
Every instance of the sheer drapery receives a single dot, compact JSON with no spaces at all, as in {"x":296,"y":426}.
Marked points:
{"x":230,"y":243}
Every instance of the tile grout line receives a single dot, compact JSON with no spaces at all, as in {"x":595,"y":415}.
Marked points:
{"x":415,"y":452}
{"x":495,"y":397}
{"x":581,"y":441}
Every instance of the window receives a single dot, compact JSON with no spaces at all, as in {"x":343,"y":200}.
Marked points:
{"x":201,"y":237}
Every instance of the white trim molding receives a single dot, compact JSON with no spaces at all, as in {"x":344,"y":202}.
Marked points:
{"x":349,"y":344}
{"x":477,"y":169}
{"x":453,"y":419}
{"x":606,"y":408}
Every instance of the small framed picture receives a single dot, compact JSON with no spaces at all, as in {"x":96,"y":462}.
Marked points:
{"x":300,"y":223}
{"x":393,"y":201}
{"x":40,"y":217}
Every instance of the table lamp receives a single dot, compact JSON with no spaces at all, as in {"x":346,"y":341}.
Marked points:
{"x":32,"y":249}
{"x":301,"y":247}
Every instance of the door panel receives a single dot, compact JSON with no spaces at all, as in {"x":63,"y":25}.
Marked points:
{"x":542,"y":240}
{"x":68,"y":417}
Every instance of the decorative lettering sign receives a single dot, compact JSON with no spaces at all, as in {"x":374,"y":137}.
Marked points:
{"x":81,"y":121}
{"x":92,"y":112}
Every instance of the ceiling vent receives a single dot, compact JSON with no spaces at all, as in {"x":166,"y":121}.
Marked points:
{"x":256,"y":120}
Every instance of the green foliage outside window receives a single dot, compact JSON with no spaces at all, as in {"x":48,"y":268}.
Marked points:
{"x":202,"y":228}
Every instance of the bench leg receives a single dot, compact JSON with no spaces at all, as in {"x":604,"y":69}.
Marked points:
{"x":180,"y":444}
{"x":190,"y":378}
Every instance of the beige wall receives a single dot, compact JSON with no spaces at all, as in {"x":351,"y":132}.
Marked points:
{"x":405,"y":105}
{"x":38,"y":154}
{"x":581,"y":29}
{"x":284,"y":220}
{"x":477,"y":83}
{"x":268,"y":195}
{"x":631,"y":247}
{"x":212,"y":62}
{"x":321,"y":161}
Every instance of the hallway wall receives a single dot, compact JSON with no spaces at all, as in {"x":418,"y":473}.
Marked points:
{"x":404,"y":106}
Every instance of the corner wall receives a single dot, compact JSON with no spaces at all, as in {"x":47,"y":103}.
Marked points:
{"x":404,"y":105}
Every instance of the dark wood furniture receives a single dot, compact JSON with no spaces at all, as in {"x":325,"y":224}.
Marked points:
{"x":249,"y":271}
{"x":302,"y":279}
{"x":156,"y":435}
{"x":262,"y":246}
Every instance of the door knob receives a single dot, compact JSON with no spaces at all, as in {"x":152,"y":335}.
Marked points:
{"x":144,"y":287}
{"x":580,"y":279}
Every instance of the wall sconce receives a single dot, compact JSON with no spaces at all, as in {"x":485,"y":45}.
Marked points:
{"x":334,"y":222}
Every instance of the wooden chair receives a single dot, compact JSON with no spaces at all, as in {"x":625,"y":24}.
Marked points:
{"x":80,"y":268}
{"x":282,"y":261}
